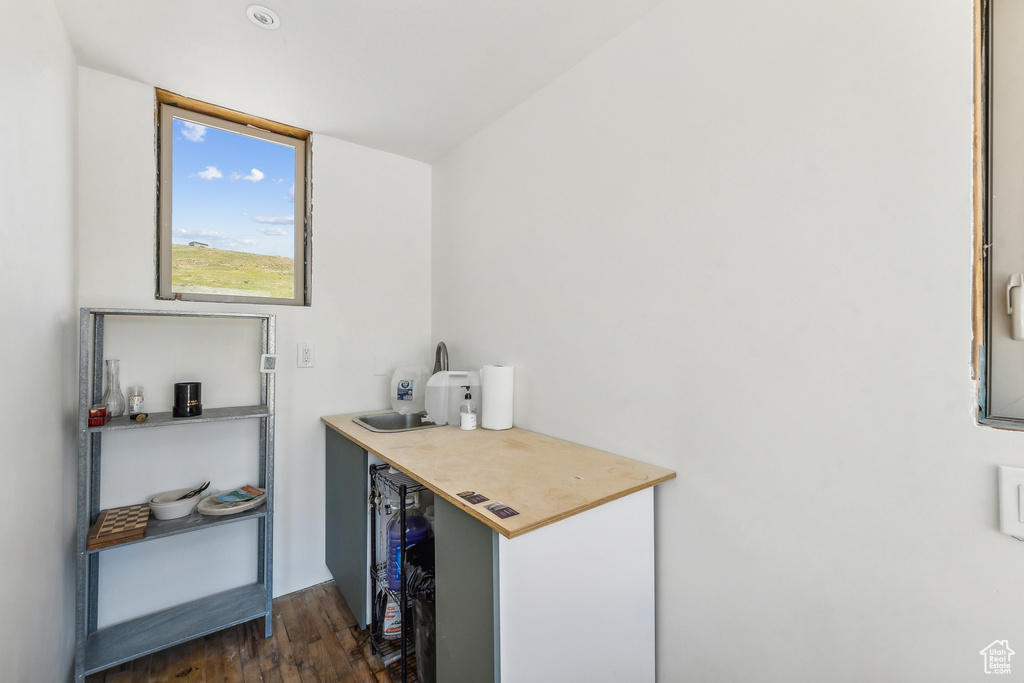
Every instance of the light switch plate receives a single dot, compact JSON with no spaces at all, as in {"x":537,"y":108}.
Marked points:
{"x":1011,"y":479}
{"x":380,"y":365}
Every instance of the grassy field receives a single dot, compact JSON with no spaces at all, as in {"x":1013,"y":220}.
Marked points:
{"x":219,"y":271}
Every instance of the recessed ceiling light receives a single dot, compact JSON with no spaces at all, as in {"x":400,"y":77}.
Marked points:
{"x":263,"y":17}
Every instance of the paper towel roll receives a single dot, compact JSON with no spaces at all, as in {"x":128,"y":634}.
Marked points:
{"x":496,"y":396}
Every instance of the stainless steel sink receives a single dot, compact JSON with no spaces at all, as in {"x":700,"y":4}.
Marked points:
{"x":394,"y":422}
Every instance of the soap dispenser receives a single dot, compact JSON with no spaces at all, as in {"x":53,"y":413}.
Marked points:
{"x":467,"y":413}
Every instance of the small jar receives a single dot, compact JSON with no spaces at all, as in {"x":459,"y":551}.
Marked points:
{"x":97,"y":415}
{"x":188,"y":399}
{"x":135,"y":401}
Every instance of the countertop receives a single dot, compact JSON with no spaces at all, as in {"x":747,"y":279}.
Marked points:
{"x":544,"y":479}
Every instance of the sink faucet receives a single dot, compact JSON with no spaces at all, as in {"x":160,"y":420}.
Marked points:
{"x":441,"y":358}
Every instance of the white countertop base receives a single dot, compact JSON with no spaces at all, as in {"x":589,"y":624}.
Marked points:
{"x":576,"y":599}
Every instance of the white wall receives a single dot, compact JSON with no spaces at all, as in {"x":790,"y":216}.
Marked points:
{"x":736,"y":241}
{"x":37,"y":281}
{"x":371,"y":221}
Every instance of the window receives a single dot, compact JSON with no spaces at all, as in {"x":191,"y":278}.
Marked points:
{"x":999,"y":209}
{"x":233,"y":216}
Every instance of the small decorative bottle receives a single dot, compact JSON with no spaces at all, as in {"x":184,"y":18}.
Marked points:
{"x":467,"y":414}
{"x":113,"y":397}
{"x":135,"y":401}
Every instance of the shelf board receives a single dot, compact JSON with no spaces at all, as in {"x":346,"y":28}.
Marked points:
{"x":168,"y":419}
{"x":167,"y":313}
{"x":192,"y":522}
{"x":393,"y":480}
{"x":123,"y":642}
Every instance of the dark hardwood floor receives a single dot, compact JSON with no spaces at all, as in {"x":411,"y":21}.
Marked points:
{"x":316,"y":639}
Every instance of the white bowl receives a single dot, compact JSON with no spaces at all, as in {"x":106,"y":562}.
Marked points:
{"x":166,"y":506}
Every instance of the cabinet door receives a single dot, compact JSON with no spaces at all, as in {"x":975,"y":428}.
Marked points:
{"x":466,"y":596}
{"x":345,"y":545}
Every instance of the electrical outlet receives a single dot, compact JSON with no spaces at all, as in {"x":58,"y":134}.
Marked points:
{"x":1011,"y":495}
{"x":305,"y":359}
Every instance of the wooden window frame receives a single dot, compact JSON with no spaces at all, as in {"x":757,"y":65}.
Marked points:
{"x":170,"y":105}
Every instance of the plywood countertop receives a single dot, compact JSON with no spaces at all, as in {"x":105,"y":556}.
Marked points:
{"x":543,"y":478}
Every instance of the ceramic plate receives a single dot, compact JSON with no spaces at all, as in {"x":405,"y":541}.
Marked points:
{"x":211,"y":506}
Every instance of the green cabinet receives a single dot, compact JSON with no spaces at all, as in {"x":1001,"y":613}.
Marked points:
{"x":346,"y":523}
{"x":465,"y":554}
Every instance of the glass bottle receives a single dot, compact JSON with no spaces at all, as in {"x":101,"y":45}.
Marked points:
{"x":113,"y":397}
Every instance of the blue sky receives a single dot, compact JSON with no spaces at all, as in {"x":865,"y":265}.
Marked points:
{"x":232,"y":191}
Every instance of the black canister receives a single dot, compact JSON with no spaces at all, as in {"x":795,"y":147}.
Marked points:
{"x":188,"y":399}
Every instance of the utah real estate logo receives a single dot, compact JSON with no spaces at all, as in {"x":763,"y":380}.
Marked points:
{"x":997,"y":657}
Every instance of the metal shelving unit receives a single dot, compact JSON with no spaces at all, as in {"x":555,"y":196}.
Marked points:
{"x":397,"y":655}
{"x":97,"y":649}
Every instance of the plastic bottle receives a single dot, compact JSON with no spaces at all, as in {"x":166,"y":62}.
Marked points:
{"x":416,"y":529}
{"x":392,"y":621}
{"x":408,"y":387}
{"x":467,"y":414}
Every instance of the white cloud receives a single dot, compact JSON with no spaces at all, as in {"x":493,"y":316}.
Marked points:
{"x":255,"y":175}
{"x":273,"y":231}
{"x":275,"y":220}
{"x":193,"y":131}
{"x":210,"y":173}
